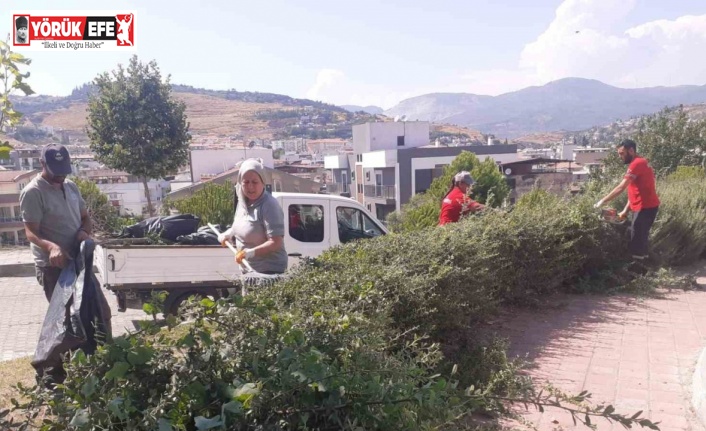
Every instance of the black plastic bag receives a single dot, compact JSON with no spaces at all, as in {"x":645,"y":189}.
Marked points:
{"x":168,"y":227}
{"x":203,"y":236}
{"x":78,"y":312}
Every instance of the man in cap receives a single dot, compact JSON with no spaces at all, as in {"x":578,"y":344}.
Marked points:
{"x":457,"y":203}
{"x":55,"y":216}
{"x":21,"y":24}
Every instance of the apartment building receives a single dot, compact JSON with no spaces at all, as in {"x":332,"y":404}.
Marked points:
{"x":11,"y":226}
{"x":392,"y":161}
{"x":126,"y":192}
{"x":207,"y":162}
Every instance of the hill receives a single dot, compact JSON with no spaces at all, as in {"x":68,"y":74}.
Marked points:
{"x":569,"y":104}
{"x":374,"y":110}
{"x":597,"y":136}
{"x":241,"y":116}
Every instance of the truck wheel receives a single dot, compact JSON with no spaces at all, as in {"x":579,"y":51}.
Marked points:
{"x":175,"y":300}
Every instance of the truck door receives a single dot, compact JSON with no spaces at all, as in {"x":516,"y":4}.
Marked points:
{"x":352,"y":223}
{"x":307,"y":232}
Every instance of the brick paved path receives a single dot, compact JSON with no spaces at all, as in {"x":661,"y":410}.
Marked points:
{"x":22,"y":310}
{"x":637,"y":354}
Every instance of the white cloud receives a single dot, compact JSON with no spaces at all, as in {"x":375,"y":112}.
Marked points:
{"x":586,"y":39}
{"x":334,"y":86}
{"x":325,"y":81}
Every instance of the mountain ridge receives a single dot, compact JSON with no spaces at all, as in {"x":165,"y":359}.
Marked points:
{"x":566,"y":104}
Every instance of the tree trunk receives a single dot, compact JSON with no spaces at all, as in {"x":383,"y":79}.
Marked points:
{"x":150,"y":210}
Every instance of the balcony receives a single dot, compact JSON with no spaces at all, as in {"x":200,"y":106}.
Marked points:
{"x":338,"y":188}
{"x":386,"y":193}
{"x":11,"y":222}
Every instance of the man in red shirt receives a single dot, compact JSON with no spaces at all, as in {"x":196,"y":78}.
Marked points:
{"x":456,"y":203}
{"x":642,"y":197}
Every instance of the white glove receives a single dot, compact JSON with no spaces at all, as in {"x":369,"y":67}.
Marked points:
{"x":599,"y":204}
{"x":222,"y":238}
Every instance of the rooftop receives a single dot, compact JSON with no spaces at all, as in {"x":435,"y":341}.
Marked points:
{"x":105,"y":173}
{"x":14,"y":176}
{"x":537,"y":161}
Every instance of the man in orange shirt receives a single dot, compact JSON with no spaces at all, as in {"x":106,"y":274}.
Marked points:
{"x":642,"y":198}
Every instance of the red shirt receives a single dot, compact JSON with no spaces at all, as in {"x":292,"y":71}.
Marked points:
{"x":456,"y":204}
{"x":641,"y":190}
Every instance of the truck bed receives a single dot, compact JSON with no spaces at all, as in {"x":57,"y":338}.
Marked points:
{"x":125,"y":266}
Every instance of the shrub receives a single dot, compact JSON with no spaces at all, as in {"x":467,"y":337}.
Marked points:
{"x":213,"y":204}
{"x":105,"y":217}
{"x":687,"y":173}
{"x":678,"y":236}
{"x":439,"y":281}
{"x":249,"y":365}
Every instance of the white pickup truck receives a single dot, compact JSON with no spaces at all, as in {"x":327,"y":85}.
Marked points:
{"x":313,"y":223}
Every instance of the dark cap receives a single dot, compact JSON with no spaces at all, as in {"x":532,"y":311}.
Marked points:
{"x":21,"y":22}
{"x":57,"y":160}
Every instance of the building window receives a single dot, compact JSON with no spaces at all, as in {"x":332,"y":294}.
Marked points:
{"x":306,"y":222}
{"x":400,"y":141}
{"x":367,"y":176}
{"x":360,"y":189}
{"x":359,"y":158}
{"x":353,"y":224}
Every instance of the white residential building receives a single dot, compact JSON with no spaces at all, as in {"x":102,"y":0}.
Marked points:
{"x":126,"y":192}
{"x":11,"y":226}
{"x":392,"y":161}
{"x":209,"y":162}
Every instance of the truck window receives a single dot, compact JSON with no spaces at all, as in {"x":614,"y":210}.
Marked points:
{"x":306,"y":222}
{"x":354,"y":224}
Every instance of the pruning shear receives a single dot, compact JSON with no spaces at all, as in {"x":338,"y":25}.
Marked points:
{"x":244,"y":265}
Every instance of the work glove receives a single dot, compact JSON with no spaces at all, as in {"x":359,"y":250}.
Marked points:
{"x":245,"y":254}
{"x":222,"y":238}
{"x":599,"y":204}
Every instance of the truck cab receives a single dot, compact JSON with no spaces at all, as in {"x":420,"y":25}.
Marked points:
{"x":314,"y":223}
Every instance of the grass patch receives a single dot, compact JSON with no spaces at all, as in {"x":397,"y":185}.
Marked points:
{"x":11,"y":373}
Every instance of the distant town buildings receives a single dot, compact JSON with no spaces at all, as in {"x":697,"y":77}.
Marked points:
{"x":382,"y":167}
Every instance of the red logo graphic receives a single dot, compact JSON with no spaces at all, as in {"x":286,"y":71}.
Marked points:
{"x":29,"y":28}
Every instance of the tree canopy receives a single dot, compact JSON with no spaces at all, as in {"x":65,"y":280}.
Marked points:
{"x":135,"y":125}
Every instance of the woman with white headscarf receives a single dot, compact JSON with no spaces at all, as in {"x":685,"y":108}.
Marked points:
{"x":258,"y":224}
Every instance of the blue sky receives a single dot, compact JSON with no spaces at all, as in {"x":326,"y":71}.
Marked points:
{"x":368,"y":52}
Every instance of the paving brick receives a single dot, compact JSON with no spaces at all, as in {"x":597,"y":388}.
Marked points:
{"x":642,"y":357}
{"x":22,"y":310}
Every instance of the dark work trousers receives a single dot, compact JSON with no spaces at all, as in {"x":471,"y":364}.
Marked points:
{"x":47,"y":276}
{"x":640,"y":232}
